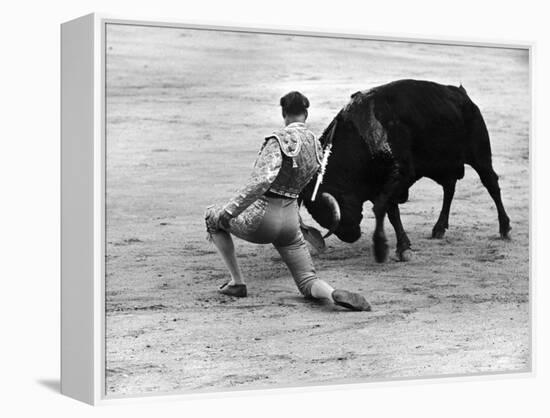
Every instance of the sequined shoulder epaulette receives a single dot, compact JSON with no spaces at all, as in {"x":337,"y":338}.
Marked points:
{"x":290,"y":140}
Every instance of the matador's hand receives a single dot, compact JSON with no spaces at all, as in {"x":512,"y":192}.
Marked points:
{"x":223,"y":219}
{"x":216,"y":218}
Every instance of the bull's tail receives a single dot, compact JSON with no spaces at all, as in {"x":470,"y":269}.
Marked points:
{"x":479,"y":142}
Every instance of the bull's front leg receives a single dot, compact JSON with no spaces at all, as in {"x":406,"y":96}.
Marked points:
{"x":383,"y":203}
{"x":403,"y":248}
{"x":379,"y":236}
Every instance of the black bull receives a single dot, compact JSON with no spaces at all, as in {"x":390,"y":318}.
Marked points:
{"x":387,"y":138}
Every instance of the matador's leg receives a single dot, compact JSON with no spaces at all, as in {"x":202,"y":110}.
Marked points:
{"x":224,"y":243}
{"x":244,"y":226}
{"x":298,"y":260}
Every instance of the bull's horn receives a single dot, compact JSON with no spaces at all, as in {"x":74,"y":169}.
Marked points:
{"x":332,"y":203}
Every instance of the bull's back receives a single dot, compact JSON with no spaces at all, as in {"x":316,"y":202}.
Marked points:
{"x":431,"y":128}
{"x":431,"y":122}
{"x":424,"y":107}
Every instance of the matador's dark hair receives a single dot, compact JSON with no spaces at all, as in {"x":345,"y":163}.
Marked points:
{"x":294,"y":103}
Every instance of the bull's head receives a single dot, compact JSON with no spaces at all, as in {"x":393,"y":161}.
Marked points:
{"x":338,"y":212}
{"x":338,"y":204}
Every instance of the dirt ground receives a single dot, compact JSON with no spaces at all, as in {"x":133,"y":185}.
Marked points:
{"x":186,"y":114}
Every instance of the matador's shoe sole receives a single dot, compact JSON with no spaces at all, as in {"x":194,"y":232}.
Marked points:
{"x":350,"y":300}
{"x":235,"y":290}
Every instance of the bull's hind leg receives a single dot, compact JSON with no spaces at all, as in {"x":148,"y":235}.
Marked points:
{"x":480,"y":160}
{"x":490,"y":180}
{"x":442,"y":223}
{"x":403,"y":248}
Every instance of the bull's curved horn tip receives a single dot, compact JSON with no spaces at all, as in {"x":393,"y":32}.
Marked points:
{"x":332,"y":203}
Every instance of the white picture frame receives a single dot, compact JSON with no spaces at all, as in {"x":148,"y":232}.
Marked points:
{"x":83,"y":190}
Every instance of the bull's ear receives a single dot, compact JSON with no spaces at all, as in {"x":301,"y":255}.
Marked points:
{"x":313,"y":237}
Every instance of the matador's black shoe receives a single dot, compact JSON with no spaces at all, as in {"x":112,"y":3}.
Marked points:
{"x":236,"y":290}
{"x":350,"y":300}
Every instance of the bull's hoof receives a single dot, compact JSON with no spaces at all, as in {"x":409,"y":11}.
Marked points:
{"x":505,"y":232}
{"x":405,"y":255}
{"x":438,"y":233}
{"x":381,"y":251}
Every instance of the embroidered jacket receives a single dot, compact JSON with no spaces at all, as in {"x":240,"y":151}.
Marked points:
{"x":287,"y":161}
{"x":302,"y":155}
